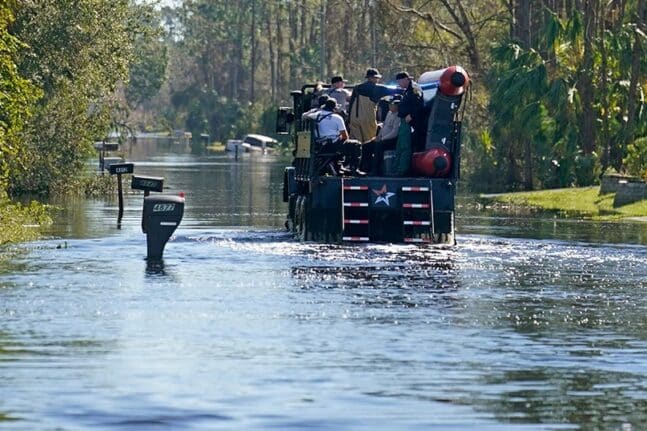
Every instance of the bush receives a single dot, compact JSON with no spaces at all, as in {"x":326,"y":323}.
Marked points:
{"x":636,"y":160}
{"x":587,"y":169}
{"x":20,"y":222}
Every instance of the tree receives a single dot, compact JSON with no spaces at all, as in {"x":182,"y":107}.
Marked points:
{"x":17,"y":96}
{"x":147,"y":72}
{"x":78,"y":56}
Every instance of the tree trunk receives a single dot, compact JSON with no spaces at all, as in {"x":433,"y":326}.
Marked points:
{"x":280,"y":61}
{"x":271,"y":51}
{"x":462,"y":20}
{"x":252,"y":80}
{"x":521,"y":23}
{"x":527,"y":165}
{"x":605,"y":132}
{"x":292,"y":41}
{"x":636,"y":58}
{"x":585,"y":85}
{"x":237,"y":60}
{"x":322,"y":40}
{"x":513,"y":167}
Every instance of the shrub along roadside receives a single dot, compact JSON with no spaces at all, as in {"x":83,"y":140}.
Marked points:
{"x":21,"y":222}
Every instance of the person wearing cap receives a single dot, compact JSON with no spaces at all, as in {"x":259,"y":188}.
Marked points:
{"x":411,"y":113}
{"x":321,"y":100}
{"x":339,"y":93}
{"x":331,"y":133}
{"x":362,"y":109}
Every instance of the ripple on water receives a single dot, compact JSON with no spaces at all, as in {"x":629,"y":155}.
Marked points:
{"x":249,"y":329}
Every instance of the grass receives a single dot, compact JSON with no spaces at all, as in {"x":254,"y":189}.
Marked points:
{"x":581,"y":202}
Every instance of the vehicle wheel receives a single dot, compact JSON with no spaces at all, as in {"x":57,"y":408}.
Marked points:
{"x":297,"y":215}
{"x":303,"y":220}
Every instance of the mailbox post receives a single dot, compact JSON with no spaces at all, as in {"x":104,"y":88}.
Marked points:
{"x":119,"y":169}
{"x":161,"y":215}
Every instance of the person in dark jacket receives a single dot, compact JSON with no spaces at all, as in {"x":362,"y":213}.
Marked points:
{"x":410,"y":111}
{"x":362,"y":109}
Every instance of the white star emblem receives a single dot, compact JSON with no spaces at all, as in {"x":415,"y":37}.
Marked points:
{"x":383,"y":195}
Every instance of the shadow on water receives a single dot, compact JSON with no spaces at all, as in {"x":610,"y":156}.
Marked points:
{"x":385,"y":276}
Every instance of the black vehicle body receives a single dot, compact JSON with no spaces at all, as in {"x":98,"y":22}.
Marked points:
{"x":326,"y":207}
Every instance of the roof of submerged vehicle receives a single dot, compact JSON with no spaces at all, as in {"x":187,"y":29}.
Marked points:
{"x":259,"y":137}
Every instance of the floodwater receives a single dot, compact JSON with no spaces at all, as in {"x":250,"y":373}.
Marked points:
{"x":529,"y":323}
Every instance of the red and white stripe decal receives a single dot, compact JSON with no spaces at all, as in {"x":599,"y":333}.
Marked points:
{"x":355,"y":204}
{"x":355,"y":238}
{"x":355,"y":187}
{"x":416,"y":223}
{"x":415,"y":189}
{"x":415,"y":205}
{"x":354,"y":221}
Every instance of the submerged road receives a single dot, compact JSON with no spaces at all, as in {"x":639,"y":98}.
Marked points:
{"x":527,"y":324}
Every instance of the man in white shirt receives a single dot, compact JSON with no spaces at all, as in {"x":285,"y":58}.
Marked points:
{"x":331,"y":134}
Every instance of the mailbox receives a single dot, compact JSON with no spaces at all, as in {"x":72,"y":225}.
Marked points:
{"x":147,"y":184}
{"x":121,"y":168}
{"x":162,"y":215}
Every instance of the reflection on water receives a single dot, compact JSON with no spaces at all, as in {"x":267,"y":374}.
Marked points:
{"x":537,"y":225}
{"x":241,"y":327}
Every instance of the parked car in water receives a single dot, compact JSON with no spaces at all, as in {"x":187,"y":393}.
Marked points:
{"x":254,"y":142}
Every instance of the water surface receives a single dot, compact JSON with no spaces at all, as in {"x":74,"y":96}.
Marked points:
{"x":528,"y":324}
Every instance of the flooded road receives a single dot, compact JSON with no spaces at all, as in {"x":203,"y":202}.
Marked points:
{"x":528,"y":324}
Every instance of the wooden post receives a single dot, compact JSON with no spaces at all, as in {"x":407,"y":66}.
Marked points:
{"x":121,"y":201}
{"x":118,"y":169}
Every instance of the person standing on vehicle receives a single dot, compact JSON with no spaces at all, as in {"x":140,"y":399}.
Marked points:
{"x":362,"y":109}
{"x":410,"y":111}
{"x":339,"y":93}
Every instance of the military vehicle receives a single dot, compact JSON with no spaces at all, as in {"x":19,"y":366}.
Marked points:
{"x":325,"y":206}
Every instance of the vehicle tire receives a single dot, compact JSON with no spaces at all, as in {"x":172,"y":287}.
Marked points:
{"x":297,"y":216}
{"x":303,"y":221}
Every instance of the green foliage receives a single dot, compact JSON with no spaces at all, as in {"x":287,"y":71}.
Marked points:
{"x":519,"y":83}
{"x":587,"y":169}
{"x":19,"y":222}
{"x":636,"y":160}
{"x":70,"y":72}
{"x":78,"y":56}
{"x":147,"y":73}
{"x":481,"y":157}
{"x":17,"y":96}
{"x":542,"y":87}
